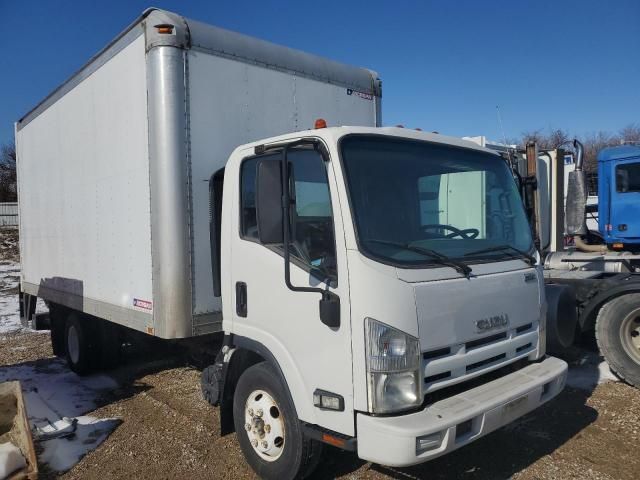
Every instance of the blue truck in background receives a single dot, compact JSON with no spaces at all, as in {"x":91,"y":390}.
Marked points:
{"x":592,"y":282}
{"x":619,"y":197}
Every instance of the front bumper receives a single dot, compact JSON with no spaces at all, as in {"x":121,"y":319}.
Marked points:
{"x":458,"y":420}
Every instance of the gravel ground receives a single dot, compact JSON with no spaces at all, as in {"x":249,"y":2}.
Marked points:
{"x":169,"y":431}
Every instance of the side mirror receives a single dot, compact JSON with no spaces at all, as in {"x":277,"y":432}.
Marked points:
{"x":269,"y":202}
{"x":330,"y":309}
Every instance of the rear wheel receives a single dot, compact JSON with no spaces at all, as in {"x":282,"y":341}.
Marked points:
{"x":268,"y":429}
{"x":80,"y":345}
{"x":57,"y":316}
{"x":618,"y":335}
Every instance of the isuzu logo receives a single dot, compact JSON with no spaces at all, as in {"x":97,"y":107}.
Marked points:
{"x":489,"y":323}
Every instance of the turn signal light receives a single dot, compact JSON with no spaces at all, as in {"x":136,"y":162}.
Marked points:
{"x":320,"y":123}
{"x":331,"y":440}
{"x":617,"y":246}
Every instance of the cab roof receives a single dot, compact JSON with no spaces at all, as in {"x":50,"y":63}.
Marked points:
{"x":335,"y":133}
{"x":617,"y":153}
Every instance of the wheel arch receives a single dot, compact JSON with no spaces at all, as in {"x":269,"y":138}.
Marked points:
{"x":243,"y":353}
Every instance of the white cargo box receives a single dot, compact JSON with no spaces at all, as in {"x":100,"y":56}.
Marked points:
{"x":114,"y":166}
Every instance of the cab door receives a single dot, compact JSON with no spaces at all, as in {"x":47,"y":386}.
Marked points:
{"x":311,"y":355}
{"x":625,"y":200}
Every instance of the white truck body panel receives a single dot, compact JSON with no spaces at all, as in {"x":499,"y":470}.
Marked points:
{"x":258,"y":103}
{"x":84,"y":191}
{"x":114,"y":165}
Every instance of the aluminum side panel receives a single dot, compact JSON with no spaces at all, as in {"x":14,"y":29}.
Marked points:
{"x":232,"y":103}
{"x":169,"y":172}
{"x":84,"y":187}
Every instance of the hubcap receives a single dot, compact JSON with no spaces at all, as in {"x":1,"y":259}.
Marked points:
{"x":264,"y":425}
{"x":73,"y":344}
{"x":630,"y":335}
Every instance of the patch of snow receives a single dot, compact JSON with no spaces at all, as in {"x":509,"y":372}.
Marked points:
{"x":11,"y":459}
{"x":52,"y":392}
{"x":590,"y":371}
{"x":63,"y":453}
{"x":9,"y":305}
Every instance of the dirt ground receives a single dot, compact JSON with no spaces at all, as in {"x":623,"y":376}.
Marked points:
{"x":169,"y":431}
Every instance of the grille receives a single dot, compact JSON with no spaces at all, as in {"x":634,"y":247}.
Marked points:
{"x":448,"y":365}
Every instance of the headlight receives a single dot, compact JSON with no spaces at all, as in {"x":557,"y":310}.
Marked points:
{"x":393,"y":368}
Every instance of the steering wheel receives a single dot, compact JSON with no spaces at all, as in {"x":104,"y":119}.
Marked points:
{"x":455,"y":232}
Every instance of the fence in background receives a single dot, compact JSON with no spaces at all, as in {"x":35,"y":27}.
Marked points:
{"x":8,"y":214}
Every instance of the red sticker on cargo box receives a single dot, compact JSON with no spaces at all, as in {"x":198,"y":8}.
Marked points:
{"x":146,"y":304}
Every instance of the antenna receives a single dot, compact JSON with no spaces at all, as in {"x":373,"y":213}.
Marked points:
{"x":504,"y":136}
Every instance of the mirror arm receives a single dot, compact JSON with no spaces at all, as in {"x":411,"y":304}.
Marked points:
{"x":286,"y":214}
{"x":329,"y":304}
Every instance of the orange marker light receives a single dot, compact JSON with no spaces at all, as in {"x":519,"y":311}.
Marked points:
{"x":618,"y":246}
{"x":165,"y":28}
{"x":320,"y":123}
{"x":331,"y":440}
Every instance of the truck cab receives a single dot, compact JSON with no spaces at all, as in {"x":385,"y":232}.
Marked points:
{"x":381,"y":293}
{"x":619,"y":197}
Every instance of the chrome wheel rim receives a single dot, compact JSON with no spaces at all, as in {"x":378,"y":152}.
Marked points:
{"x":630,"y":335}
{"x":264,"y":425}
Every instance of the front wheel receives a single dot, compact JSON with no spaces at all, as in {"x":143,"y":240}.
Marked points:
{"x":618,"y":335}
{"x":268,"y":429}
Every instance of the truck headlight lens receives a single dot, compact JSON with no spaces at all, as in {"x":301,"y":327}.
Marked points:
{"x":393,"y":368}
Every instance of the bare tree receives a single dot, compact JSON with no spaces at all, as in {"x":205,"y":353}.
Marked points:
{"x":557,"y":138}
{"x":593,"y":143}
{"x":8,"y":187}
{"x":630,"y":133}
{"x":553,"y":139}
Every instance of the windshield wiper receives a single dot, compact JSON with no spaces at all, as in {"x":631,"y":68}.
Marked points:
{"x":439,"y":258}
{"x":530,"y":259}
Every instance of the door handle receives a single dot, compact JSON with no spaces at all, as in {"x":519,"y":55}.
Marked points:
{"x":241,"y":299}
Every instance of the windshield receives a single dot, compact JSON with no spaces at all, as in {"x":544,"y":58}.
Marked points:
{"x":410,"y":195}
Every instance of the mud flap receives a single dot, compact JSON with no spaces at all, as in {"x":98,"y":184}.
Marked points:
{"x":27,"y":304}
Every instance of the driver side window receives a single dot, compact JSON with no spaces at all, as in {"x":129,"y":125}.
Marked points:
{"x":313,"y":241}
{"x":312,"y":222}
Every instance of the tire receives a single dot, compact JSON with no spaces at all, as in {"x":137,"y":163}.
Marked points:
{"x":289,"y":454}
{"x":562,"y":319}
{"x":58,"y":329}
{"x":80,"y":345}
{"x":618,"y":336}
{"x":210,"y":382}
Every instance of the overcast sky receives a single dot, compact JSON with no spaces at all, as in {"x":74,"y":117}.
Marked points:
{"x":445,"y":65}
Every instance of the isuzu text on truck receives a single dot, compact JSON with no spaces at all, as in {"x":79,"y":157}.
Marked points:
{"x":378,"y":288}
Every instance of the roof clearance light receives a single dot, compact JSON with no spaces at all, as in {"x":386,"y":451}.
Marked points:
{"x":399,"y":126}
{"x":320,"y":123}
{"x":164,"y":28}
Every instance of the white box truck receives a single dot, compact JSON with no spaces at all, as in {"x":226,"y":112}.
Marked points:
{"x":362,"y":304}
